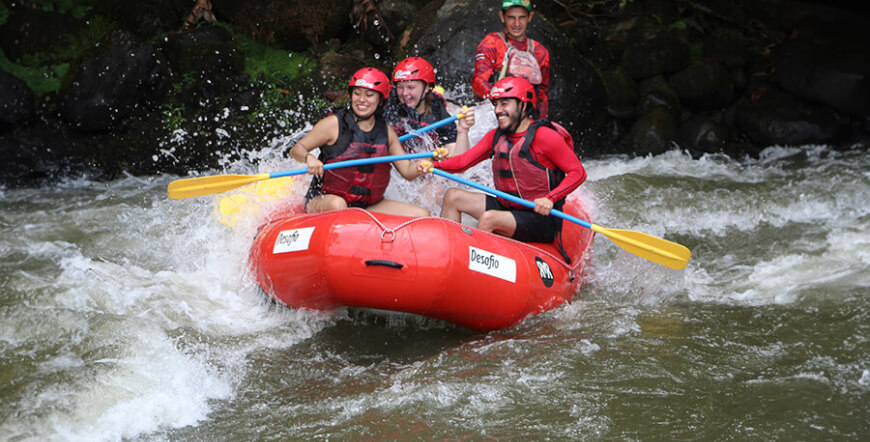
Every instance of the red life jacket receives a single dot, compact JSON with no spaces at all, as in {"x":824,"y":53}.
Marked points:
{"x":363,"y":184}
{"x":515,"y":170}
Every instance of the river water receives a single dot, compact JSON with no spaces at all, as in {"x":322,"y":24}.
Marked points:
{"x":127,"y":315}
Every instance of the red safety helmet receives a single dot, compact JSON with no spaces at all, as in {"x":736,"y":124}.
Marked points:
{"x":513,"y":87}
{"x":414,"y":68}
{"x":371,"y":78}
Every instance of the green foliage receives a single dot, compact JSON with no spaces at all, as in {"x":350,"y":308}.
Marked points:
{"x":173,"y":116}
{"x":42,"y":79}
{"x":278,"y":66}
{"x":44,"y":71}
{"x":187,"y":80}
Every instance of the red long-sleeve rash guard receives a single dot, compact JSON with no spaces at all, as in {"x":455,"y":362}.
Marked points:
{"x":488,"y":61}
{"x":548,"y":148}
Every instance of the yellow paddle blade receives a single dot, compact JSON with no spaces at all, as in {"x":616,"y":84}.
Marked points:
{"x":207,"y":185}
{"x":661,"y":251}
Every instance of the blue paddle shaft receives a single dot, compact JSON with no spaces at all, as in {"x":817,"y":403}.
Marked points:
{"x":424,"y":129}
{"x":375,"y":160}
{"x":357,"y":162}
{"x":509,"y":197}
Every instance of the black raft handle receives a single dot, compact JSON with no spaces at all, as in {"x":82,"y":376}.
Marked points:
{"x":384,"y":262}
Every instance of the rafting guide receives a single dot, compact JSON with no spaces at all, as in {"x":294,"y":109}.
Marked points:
{"x":512,"y":53}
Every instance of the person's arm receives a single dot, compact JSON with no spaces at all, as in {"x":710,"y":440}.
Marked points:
{"x":324,"y":133}
{"x":476,"y":154}
{"x":551,"y":150}
{"x":462,"y":143}
{"x":485,"y":61}
{"x":408,"y":170}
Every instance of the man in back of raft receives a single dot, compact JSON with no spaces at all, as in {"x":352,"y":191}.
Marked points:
{"x":512,"y":53}
{"x":531,"y":159}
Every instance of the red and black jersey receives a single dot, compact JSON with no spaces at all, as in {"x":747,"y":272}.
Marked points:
{"x":488,"y":64}
{"x":546,"y":151}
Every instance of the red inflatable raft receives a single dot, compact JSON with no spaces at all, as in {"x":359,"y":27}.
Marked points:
{"x":426,"y":266}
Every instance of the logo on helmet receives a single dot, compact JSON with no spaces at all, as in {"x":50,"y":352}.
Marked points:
{"x":362,"y":83}
{"x":401,"y":75}
{"x":496,"y":91}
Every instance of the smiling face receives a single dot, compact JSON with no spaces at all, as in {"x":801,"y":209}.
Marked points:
{"x":516,"y":20}
{"x":364,"y":101}
{"x":410,"y":92}
{"x":507,"y":111}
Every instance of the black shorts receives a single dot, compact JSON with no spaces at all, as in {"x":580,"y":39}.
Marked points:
{"x":531,"y":226}
{"x":316,"y":189}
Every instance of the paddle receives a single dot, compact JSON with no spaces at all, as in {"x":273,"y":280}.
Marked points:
{"x":660,"y":251}
{"x":435,"y":125}
{"x":207,"y":185}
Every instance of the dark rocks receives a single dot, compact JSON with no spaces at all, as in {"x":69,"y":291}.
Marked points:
{"x":42,"y":155}
{"x":17,"y":101}
{"x":208,"y":58}
{"x":652,"y":133}
{"x":776,"y":118}
{"x":656,"y":93}
{"x":726,"y":46}
{"x":28,"y":30}
{"x":145,"y":18}
{"x":841,"y":84}
{"x":291,"y":24}
{"x":703,"y":85}
{"x":112,"y":83}
{"x":338,"y":67}
{"x":622,"y":93}
{"x":203,"y":50}
{"x":653,"y":49}
{"x":703,"y":134}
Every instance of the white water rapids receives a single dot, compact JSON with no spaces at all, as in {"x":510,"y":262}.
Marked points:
{"x":127,"y":315}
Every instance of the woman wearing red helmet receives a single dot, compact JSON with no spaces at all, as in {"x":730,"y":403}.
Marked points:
{"x":415,"y":104}
{"x":347,"y":134}
{"x":532,"y":159}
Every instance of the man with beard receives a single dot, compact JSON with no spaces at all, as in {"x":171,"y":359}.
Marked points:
{"x":348,"y":134}
{"x":531,"y":159}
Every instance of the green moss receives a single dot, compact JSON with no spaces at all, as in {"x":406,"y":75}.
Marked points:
{"x":42,"y":79}
{"x":44,"y":71}
{"x":278,"y":66}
